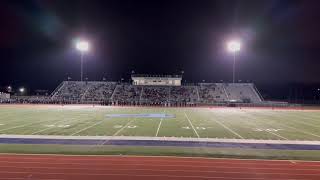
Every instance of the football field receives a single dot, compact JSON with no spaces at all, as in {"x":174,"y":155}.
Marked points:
{"x":228,"y":123}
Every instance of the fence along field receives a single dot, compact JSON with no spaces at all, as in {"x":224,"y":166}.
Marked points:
{"x":228,"y":123}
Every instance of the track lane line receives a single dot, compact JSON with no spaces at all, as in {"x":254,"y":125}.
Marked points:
{"x":239,"y":170}
{"x":230,"y":176}
{"x":171,"y":165}
{"x":147,"y":158}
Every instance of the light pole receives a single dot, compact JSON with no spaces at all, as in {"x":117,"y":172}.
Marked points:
{"x":82,"y":46}
{"x":233,"y":47}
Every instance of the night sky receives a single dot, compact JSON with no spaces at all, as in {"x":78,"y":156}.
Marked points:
{"x":280,"y":40}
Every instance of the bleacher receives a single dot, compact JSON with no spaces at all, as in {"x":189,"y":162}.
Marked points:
{"x":124,"y":93}
{"x":77,"y":91}
{"x":71,"y":91}
{"x":155,"y":94}
{"x":212,"y":93}
{"x":184,"y":94}
{"x":99,"y":91}
{"x":242,"y":92}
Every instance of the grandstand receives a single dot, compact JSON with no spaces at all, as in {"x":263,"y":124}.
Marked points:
{"x":155,"y":91}
{"x":4,"y":97}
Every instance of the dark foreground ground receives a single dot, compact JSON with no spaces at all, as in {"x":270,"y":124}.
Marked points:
{"x":62,"y":167}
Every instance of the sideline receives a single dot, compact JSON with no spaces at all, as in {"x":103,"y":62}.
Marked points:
{"x":182,"y":139}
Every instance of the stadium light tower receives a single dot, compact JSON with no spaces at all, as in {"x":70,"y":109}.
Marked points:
{"x":233,"y":47}
{"x":83,"y":47}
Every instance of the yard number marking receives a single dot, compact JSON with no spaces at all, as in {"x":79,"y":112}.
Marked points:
{"x":198,"y":128}
{"x":59,"y":126}
{"x":120,"y":126}
{"x":117,"y":126}
{"x":266,"y":130}
{"x":131,"y":127}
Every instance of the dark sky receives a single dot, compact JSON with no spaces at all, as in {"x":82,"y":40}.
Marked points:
{"x":280,"y":40}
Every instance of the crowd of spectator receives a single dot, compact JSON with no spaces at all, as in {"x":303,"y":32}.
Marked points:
{"x":184,"y":94}
{"x":158,"y":95}
{"x":111,"y":93}
{"x":212,"y":93}
{"x":99,"y":91}
{"x":127,"y":94}
{"x":71,"y":91}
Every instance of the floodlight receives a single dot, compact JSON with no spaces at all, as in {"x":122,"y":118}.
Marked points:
{"x":82,"y":46}
{"x":234,"y":46}
{"x":22,"y":90}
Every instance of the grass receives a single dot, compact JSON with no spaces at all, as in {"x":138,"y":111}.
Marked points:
{"x":161,"y":151}
{"x":188,"y":122}
{"x":227,"y":123}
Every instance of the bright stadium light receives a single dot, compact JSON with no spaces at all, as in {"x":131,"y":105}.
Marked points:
{"x":82,"y":46}
{"x":21,"y":90}
{"x":234,"y":46}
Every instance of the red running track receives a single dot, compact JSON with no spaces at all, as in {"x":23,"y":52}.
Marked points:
{"x":58,"y":167}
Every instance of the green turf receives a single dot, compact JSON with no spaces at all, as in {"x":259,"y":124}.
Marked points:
{"x":160,"y":151}
{"x":188,"y":122}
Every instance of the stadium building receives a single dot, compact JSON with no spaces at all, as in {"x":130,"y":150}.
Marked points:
{"x":4,"y":97}
{"x":165,"y":90}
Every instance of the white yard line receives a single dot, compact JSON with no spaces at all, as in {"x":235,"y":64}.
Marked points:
{"x":278,"y":135}
{"x":250,"y":117}
{"x":302,"y":122}
{"x":300,"y":130}
{"x":191,"y":124}
{"x":308,"y":124}
{"x":229,"y":129}
{"x":159,"y":127}
{"x":86,"y":128}
{"x":304,"y":132}
{"x":53,"y":126}
{"x":273,"y":133}
{"x":281,"y":124}
{"x":24,"y":125}
{"x":306,"y":116}
{"x":116,"y":133}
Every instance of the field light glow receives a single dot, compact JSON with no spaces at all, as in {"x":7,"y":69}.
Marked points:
{"x":21,"y":90}
{"x":82,"y":46}
{"x":234,"y":46}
